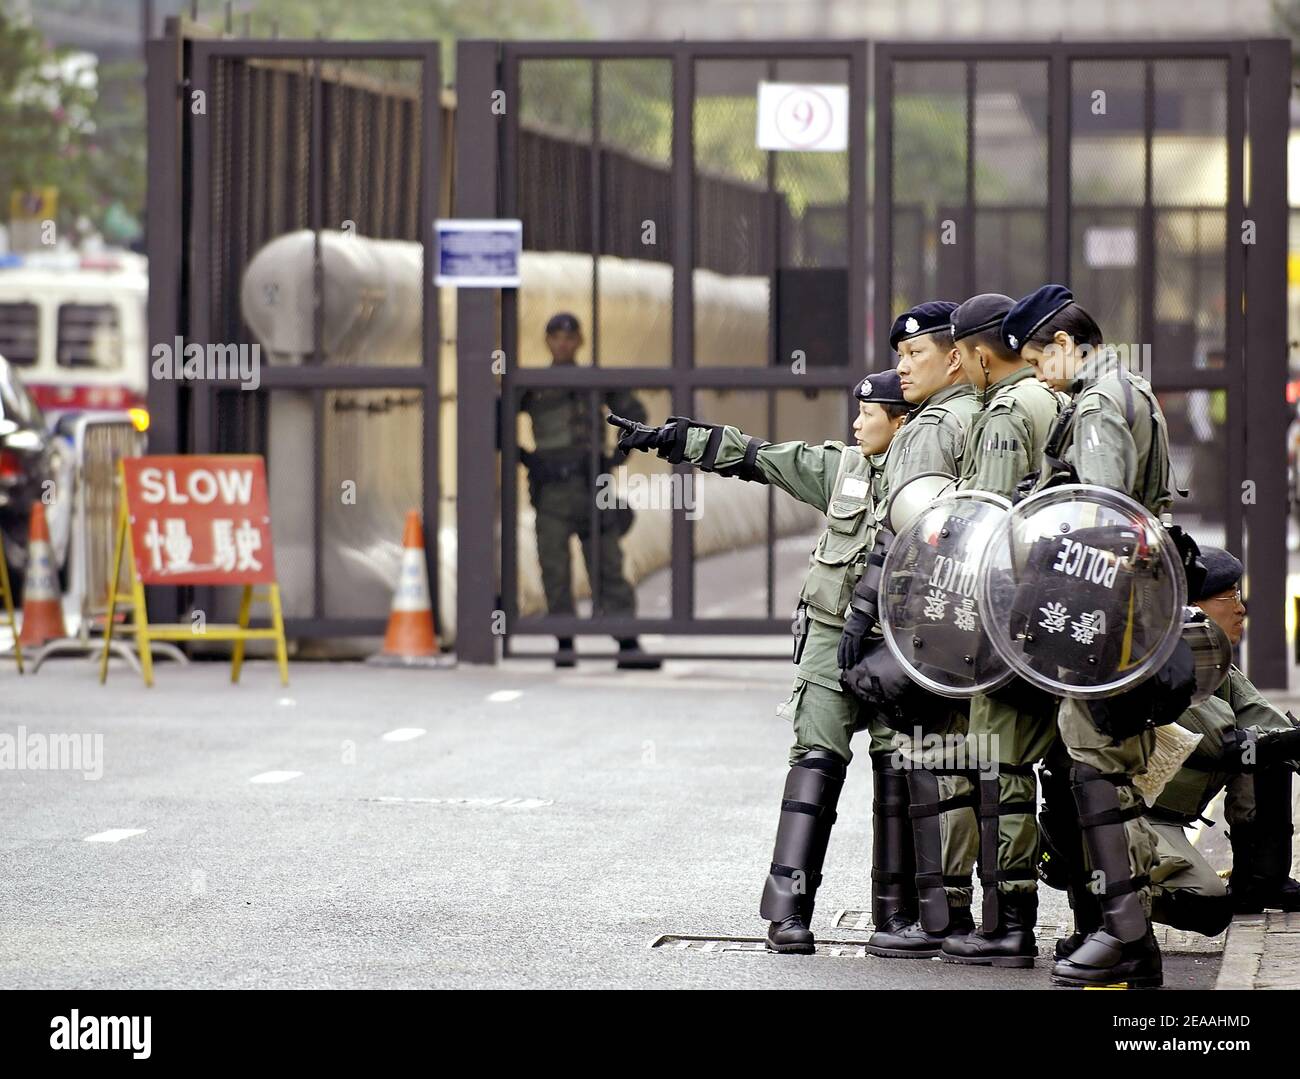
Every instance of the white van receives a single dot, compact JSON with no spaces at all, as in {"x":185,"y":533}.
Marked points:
{"x":75,"y":328}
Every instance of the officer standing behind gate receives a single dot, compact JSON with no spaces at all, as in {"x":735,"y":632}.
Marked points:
{"x":846,"y":484}
{"x":560,"y":486}
{"x":1113,"y":435}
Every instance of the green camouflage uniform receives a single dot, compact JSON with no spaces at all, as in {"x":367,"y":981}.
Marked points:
{"x":850,"y":490}
{"x":1115,"y":438}
{"x":935,"y":439}
{"x":1238,"y":705}
{"x":1005,"y":445}
{"x":560,"y":486}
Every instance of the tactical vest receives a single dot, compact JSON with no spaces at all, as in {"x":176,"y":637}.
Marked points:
{"x":853,"y":515}
{"x":1129,"y":393}
{"x":561,"y":418}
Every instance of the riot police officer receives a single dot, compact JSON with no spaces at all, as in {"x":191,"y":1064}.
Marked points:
{"x":1112,"y":435}
{"x":933,"y":440}
{"x":1005,"y":442}
{"x":847,"y":484}
{"x":560,"y":487}
{"x":1247,"y":749}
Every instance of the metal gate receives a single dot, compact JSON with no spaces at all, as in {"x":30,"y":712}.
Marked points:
{"x":321,"y":160}
{"x":1118,"y":168}
{"x":711,"y":279}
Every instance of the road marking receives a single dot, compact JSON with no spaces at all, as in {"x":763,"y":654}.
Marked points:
{"x":274,"y":777}
{"x":114,"y":835}
{"x":500,"y":803}
{"x":287,"y":702}
{"x":503,"y":696}
{"x":404,"y":734}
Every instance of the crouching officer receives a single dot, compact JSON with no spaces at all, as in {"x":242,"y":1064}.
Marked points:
{"x":1113,"y":435}
{"x":1247,"y":748}
{"x":922,"y":797}
{"x":847,"y":484}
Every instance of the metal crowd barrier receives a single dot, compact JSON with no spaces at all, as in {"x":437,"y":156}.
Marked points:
{"x":99,"y":441}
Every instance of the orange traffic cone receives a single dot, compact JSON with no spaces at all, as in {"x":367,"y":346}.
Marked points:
{"x":42,"y":604}
{"x":411,"y":640}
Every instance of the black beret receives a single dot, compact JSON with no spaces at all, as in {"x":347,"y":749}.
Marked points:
{"x":980,"y":313}
{"x":882,"y":388}
{"x":1030,"y":313}
{"x":928,"y":317}
{"x":563,"y":322}
{"x":1223,"y":570}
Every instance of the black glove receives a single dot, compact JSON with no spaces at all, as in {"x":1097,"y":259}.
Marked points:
{"x":638,"y":436}
{"x":1247,"y":750}
{"x":856,"y":627}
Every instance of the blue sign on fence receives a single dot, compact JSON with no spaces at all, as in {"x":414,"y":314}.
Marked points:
{"x":478,"y":254}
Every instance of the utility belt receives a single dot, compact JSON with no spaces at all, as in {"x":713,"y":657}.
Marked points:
{"x":556,"y":466}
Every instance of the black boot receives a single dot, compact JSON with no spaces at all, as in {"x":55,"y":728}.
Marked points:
{"x":893,"y":864}
{"x":1087,"y":918}
{"x":565,"y":645}
{"x":631,"y":658}
{"x":1261,"y":849}
{"x":1124,"y":950}
{"x":1197,"y":913}
{"x":899,"y":937}
{"x":812,"y":790}
{"x":1261,"y":858}
{"x":1103,"y":959}
{"x":1009,"y":943}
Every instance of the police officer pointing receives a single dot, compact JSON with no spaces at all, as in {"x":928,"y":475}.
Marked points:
{"x":846,"y":483}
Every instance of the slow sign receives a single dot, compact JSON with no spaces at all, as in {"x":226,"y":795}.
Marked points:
{"x":199,"y":520}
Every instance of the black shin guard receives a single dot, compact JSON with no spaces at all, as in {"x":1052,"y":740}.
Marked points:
{"x":926,"y":811}
{"x":991,"y":808}
{"x":1102,"y":822}
{"x":812,"y":790}
{"x":893,"y":864}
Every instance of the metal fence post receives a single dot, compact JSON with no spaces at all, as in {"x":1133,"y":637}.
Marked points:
{"x":1266,"y":357}
{"x":476,"y":336}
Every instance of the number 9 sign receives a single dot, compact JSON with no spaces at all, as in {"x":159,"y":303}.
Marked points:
{"x":798,"y":117}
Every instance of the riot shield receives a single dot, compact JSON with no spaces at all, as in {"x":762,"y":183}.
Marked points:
{"x":930,"y":610}
{"x":1082,"y":591}
{"x":1211,"y":652}
{"x":916,"y":495}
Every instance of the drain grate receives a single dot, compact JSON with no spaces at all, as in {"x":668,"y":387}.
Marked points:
{"x":684,"y":942}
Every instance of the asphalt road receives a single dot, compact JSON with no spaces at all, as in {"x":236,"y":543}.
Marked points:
{"x":544,"y":830}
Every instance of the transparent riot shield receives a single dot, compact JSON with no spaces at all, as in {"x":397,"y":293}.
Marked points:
{"x":930,"y":609}
{"x":1211,"y":652}
{"x":1082,"y":591}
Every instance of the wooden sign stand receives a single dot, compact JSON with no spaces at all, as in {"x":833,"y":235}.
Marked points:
{"x":145,"y":631}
